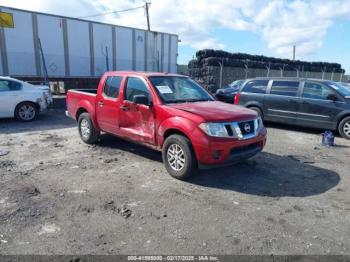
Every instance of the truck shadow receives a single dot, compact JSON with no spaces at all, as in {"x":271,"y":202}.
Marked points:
{"x":113,"y":142}
{"x":264,"y":175}
{"x":270,"y":175}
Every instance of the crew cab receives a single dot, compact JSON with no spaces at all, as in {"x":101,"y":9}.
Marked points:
{"x":22,"y":100}
{"x":170,"y":113}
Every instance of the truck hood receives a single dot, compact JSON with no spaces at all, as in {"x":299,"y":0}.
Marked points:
{"x":215,"y":111}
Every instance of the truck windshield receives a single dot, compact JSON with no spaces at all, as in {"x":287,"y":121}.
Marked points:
{"x":177,"y":89}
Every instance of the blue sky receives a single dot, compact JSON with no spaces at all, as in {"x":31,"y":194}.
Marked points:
{"x":319,"y":28}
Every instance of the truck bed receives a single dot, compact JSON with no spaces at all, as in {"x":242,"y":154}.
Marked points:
{"x":77,"y":97}
{"x":90,"y":91}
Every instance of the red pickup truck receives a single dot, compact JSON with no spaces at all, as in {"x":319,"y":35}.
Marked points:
{"x":170,"y":113}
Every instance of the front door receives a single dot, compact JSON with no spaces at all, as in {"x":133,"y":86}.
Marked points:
{"x":107,"y":107}
{"x":282,"y":102}
{"x":137,"y":120}
{"x":319,"y":107}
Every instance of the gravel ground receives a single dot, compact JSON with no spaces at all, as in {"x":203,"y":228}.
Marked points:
{"x":60,"y":196}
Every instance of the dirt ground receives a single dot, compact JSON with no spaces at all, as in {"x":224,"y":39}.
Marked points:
{"x":60,"y":196}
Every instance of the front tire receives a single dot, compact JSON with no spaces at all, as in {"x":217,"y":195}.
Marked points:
{"x":178,"y":157}
{"x":26,"y":111}
{"x":88,"y":133}
{"x":344,"y":128}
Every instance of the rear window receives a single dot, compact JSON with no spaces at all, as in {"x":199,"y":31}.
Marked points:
{"x":256,"y":86}
{"x":7,"y":85}
{"x":285,"y":88}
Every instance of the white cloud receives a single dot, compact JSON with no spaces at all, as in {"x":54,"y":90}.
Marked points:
{"x":280,"y":23}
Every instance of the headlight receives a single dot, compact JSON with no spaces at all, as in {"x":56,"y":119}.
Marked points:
{"x":214,"y":129}
{"x":259,"y":124}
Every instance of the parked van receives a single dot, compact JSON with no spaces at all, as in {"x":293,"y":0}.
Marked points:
{"x":305,"y":102}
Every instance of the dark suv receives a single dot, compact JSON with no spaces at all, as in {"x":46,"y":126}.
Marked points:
{"x":306,"y":102}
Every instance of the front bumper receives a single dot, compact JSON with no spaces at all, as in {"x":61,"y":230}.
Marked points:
{"x":223,"y":151}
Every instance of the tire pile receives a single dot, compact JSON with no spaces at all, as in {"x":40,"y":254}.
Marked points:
{"x":205,"y":66}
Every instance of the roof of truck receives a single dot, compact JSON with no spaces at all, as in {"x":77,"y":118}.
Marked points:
{"x":140,"y":73}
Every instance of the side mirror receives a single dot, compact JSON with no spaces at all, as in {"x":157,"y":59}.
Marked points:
{"x":141,"y":100}
{"x":332,"y":97}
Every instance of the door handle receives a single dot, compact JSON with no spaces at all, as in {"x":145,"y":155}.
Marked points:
{"x":124,"y":108}
{"x":101,"y":104}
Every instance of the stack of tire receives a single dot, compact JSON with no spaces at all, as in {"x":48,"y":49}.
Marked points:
{"x":207,"y":63}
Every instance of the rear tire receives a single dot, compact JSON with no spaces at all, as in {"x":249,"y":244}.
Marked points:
{"x":26,"y":111}
{"x":178,"y":157}
{"x":88,"y":133}
{"x":344,"y":128}
{"x":258,"y":111}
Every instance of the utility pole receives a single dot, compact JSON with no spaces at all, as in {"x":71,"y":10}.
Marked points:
{"x":294,"y":50}
{"x":147,"y":4}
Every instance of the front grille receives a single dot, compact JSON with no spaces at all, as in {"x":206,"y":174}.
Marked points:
{"x":246,"y":128}
{"x":242,"y":130}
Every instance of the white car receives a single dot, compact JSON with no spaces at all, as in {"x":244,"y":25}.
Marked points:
{"x":22,"y":100}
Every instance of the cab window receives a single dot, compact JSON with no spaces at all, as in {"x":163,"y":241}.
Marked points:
{"x":7,"y":85}
{"x":317,"y":91}
{"x":112,"y":86}
{"x":135,"y":86}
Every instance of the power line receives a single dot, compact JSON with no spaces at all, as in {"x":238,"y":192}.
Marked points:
{"x":112,"y":12}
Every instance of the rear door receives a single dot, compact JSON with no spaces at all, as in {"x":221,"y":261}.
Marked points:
{"x":137,"y":121}
{"x":107,"y":105}
{"x":318,"y":107}
{"x":10,"y":96}
{"x":282,"y":101}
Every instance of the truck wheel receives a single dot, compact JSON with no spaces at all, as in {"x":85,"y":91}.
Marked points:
{"x":178,"y":157}
{"x":258,"y":110}
{"x":344,"y":128}
{"x":87,"y":131}
{"x":26,"y":111}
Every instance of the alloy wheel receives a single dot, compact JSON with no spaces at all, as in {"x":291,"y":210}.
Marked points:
{"x":346,"y":128}
{"x":176,"y":157}
{"x":85,"y":128}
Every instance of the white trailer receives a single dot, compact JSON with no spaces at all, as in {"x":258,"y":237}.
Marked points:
{"x":75,"y":48}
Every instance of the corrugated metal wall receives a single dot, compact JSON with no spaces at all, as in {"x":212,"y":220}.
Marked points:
{"x":79,"y":48}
